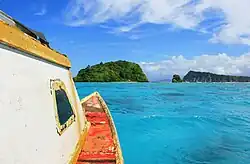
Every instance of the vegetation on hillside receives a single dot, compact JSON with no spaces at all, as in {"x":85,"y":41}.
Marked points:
{"x":119,"y":71}
{"x":176,"y":79}
{"x":193,"y":76}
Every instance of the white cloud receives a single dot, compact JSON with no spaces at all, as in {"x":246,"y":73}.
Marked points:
{"x":236,"y":28}
{"x":219,"y":64}
{"x":233,"y":27}
{"x":134,"y":37}
{"x":131,"y":12}
{"x":42,"y":12}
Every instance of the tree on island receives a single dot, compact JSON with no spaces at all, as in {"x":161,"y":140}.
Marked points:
{"x":176,"y":79}
{"x":112,"y":72}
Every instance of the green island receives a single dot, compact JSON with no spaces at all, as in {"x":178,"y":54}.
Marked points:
{"x":118,"y":71}
{"x":195,"y":76}
{"x":176,"y":79}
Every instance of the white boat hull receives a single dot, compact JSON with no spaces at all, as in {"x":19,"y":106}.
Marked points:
{"x":28,"y":125}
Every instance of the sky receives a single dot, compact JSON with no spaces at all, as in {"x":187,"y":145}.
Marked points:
{"x":165,"y":37}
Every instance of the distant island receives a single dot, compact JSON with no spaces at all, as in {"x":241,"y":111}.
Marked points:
{"x":176,"y":79}
{"x":162,"y":81}
{"x":193,"y":76}
{"x":118,"y":71}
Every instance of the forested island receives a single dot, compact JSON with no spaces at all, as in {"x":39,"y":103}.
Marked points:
{"x":176,"y":79}
{"x":118,"y":71}
{"x":193,"y":76}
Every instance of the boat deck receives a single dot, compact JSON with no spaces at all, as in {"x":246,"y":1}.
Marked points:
{"x":99,"y":147}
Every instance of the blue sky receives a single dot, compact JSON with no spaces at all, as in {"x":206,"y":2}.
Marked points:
{"x":163,"y":36}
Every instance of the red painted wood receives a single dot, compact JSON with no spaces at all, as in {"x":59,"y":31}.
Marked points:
{"x":95,"y":162}
{"x":99,"y":145}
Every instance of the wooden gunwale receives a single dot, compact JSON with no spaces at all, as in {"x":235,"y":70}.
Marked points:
{"x":81,"y":141}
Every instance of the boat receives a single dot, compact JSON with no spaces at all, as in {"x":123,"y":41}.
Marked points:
{"x":43,"y":119}
{"x":102,"y":143}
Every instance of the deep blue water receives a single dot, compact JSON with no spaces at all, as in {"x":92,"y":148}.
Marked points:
{"x":164,"y":123}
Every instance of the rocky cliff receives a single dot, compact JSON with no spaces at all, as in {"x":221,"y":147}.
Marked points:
{"x":193,"y":76}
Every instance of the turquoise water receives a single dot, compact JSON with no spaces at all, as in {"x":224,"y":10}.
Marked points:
{"x":161,"y":123}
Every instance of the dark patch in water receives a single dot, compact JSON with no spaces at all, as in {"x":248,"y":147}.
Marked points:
{"x":172,"y":94}
{"x":216,"y":153}
{"x":209,"y":154}
{"x":121,"y":101}
{"x":126,"y":103}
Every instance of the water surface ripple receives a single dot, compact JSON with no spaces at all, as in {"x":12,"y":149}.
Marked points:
{"x":163,"y":123}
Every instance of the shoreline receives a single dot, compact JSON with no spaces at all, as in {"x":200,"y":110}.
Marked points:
{"x":164,"y":82}
{"x":109,"y":82}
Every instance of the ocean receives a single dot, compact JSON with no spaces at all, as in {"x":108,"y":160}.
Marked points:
{"x":188,"y":123}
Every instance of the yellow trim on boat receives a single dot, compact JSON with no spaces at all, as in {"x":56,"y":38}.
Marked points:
{"x":57,"y":85}
{"x":88,"y":97}
{"x":15,"y":38}
{"x":81,"y":141}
